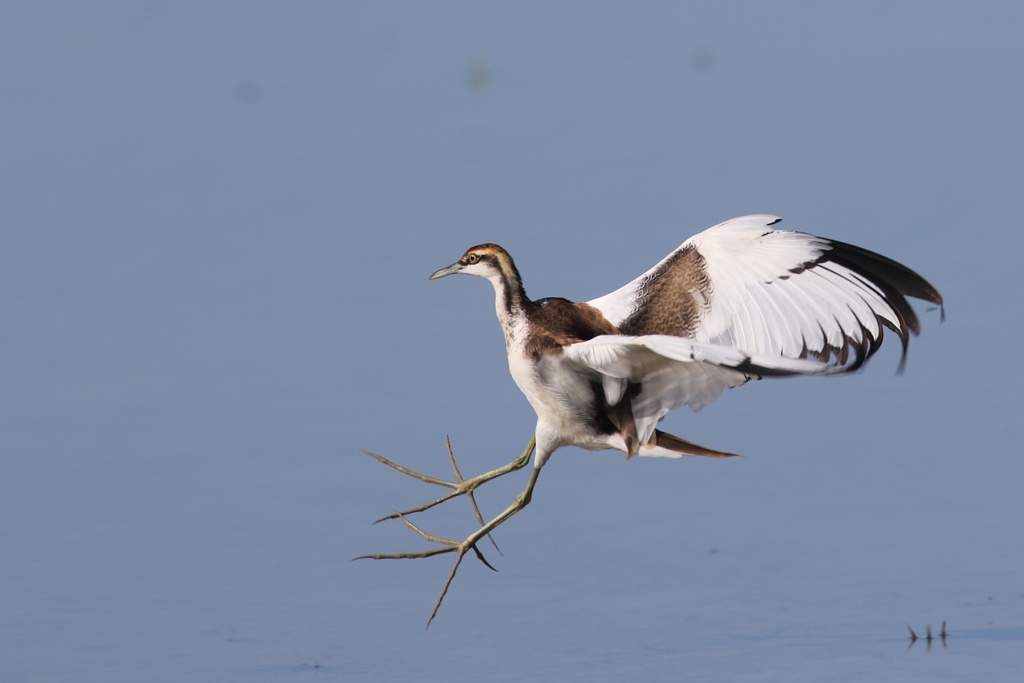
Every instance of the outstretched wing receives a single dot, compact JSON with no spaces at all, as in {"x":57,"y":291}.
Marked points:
{"x":773,"y":293}
{"x":662,"y":372}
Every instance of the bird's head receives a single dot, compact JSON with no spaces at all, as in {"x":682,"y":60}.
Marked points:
{"x":484,"y":260}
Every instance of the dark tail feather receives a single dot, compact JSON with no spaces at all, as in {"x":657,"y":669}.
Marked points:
{"x":674,"y":443}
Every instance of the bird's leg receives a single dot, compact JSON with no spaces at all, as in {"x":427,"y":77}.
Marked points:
{"x":461,"y":547}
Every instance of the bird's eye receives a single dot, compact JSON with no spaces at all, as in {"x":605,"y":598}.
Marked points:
{"x":472,"y":258}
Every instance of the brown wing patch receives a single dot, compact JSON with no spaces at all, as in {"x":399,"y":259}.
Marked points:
{"x":559,"y":322}
{"x":671,"y":299}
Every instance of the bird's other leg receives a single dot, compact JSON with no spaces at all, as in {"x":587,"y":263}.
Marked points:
{"x":463,"y":546}
{"x":459,"y":487}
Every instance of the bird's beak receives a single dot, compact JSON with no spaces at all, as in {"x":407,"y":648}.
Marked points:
{"x":448,"y":270}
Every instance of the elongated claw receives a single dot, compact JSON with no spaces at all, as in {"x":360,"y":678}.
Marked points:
{"x":460,"y":487}
{"x":448,"y":546}
{"x":472,"y":500}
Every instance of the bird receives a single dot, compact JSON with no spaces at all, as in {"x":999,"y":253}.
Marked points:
{"x":739,"y":301}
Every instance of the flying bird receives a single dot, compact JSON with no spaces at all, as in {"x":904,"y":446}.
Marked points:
{"x":736,"y":302}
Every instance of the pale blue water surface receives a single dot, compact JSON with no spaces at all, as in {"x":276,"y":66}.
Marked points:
{"x":216,"y":226}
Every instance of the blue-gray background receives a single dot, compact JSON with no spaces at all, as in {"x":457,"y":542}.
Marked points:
{"x":216,"y":224}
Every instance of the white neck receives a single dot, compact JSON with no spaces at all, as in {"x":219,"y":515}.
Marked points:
{"x":508,"y":304}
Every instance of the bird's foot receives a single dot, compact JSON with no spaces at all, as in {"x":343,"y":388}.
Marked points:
{"x":446,"y":546}
{"x":459,"y":487}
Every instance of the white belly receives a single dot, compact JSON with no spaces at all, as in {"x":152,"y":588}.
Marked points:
{"x":562,"y":395}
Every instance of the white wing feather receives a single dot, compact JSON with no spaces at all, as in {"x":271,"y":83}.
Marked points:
{"x":771,"y":293}
{"x":673,"y":372}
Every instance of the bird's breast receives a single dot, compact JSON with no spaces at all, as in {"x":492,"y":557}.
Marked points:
{"x":561,"y":393}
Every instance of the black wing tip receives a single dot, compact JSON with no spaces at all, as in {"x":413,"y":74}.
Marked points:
{"x":883,"y":270}
{"x":896,"y":282}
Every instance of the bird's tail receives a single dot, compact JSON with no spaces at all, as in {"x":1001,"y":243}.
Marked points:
{"x":669,"y":446}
